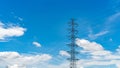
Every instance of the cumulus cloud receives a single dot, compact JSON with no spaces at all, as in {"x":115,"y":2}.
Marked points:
{"x":88,"y":46}
{"x":10,"y":31}
{"x":16,"y":60}
{"x":97,"y":55}
{"x":36,"y":44}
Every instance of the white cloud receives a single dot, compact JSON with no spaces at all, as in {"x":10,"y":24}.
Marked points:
{"x":64,"y":53}
{"x":10,"y":31}
{"x":97,"y":55}
{"x":16,"y":66}
{"x":36,"y":44}
{"x":89,"y":46}
{"x":92,"y":48}
{"x":14,"y":59}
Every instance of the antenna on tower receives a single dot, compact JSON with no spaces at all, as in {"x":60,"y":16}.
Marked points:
{"x":72,"y":36}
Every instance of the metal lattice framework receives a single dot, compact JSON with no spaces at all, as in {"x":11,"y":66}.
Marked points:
{"x":72,"y":36}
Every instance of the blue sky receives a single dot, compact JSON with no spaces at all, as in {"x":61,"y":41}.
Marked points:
{"x":40,"y":26}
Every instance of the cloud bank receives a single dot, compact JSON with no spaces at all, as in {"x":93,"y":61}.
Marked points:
{"x":16,"y":60}
{"x":95,"y":55}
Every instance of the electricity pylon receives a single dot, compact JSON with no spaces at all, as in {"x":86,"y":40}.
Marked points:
{"x":72,"y":36}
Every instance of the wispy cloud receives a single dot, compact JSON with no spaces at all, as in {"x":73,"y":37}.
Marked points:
{"x":112,"y":21}
{"x":113,"y":18}
{"x":94,"y":36}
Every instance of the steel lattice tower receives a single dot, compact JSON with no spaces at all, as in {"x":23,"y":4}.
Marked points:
{"x":72,"y":36}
